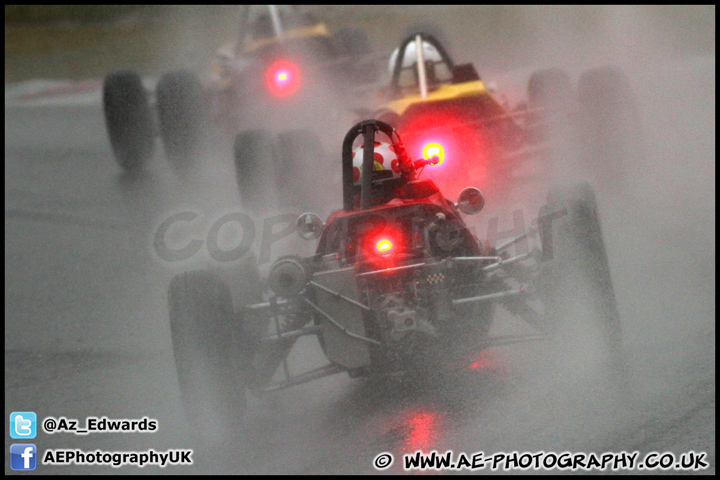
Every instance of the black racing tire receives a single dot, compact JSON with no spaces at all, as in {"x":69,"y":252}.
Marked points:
{"x":255,"y":158}
{"x":550,"y":97}
{"x":609,"y":131}
{"x":211,"y":354}
{"x":550,"y":87}
{"x":577,"y":288}
{"x":128,"y":120}
{"x":181,"y":114}
{"x":351,"y":42}
{"x":353,"y":45}
{"x":301,"y":170}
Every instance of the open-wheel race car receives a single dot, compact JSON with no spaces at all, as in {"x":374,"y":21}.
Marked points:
{"x":398,"y":286}
{"x":445,"y":107}
{"x":283,"y":59}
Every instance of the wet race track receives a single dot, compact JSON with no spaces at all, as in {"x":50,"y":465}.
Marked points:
{"x":87,"y":330}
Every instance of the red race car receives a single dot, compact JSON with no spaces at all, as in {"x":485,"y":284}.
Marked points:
{"x":398,"y":286}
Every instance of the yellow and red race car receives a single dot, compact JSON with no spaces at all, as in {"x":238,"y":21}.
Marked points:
{"x":270,"y":77}
{"x":445,"y":109}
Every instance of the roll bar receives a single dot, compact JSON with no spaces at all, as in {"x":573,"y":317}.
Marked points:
{"x":425,"y":37}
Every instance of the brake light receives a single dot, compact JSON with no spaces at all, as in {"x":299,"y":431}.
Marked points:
{"x":282,"y":78}
{"x":384,"y":246}
{"x":457,"y":140}
{"x":434,"y":150}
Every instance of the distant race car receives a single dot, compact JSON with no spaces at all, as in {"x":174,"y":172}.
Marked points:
{"x":282,"y":61}
{"x":398,"y":286}
{"x":444,"y":107}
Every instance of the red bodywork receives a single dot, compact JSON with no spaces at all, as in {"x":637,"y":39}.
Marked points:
{"x":475,"y":133}
{"x":384,"y":243}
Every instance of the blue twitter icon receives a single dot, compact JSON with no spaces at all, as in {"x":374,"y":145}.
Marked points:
{"x":23,"y":425}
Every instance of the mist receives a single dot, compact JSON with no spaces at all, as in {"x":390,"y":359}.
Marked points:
{"x":659,"y":230}
{"x":88,"y":292}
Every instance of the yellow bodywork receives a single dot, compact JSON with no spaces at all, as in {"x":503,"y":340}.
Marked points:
{"x":318,"y":30}
{"x":443,"y":92}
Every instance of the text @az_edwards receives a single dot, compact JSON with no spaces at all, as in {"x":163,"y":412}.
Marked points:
{"x":99,"y":424}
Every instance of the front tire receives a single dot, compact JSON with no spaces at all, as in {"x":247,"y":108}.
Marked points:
{"x":128,"y":120}
{"x":211,"y":355}
{"x":181,"y":113}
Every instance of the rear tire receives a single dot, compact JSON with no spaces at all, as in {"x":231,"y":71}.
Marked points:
{"x":578,"y":291}
{"x":181,"y":112}
{"x":352,"y":44}
{"x":551,"y":95}
{"x":301,"y":174}
{"x":211,"y":354}
{"x":128,"y":120}
{"x":608,"y":126}
{"x":551,"y":92}
{"x":550,"y":87}
{"x":253,"y":151}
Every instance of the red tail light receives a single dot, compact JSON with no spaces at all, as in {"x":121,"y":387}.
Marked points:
{"x":438,"y":134}
{"x":456,"y":142}
{"x":384,"y":246}
{"x":434,"y":149}
{"x":282,"y":78}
